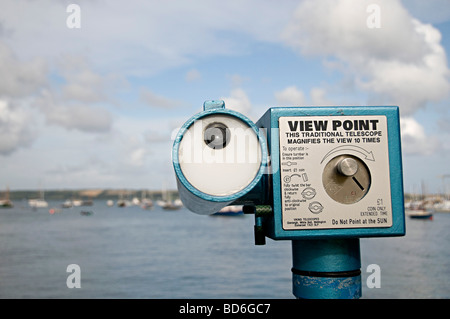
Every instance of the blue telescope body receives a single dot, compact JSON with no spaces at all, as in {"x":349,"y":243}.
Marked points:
{"x":322,"y":177}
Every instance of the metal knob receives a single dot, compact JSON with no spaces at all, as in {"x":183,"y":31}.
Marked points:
{"x":347,"y":167}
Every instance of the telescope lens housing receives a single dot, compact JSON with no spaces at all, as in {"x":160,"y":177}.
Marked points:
{"x":219,"y":156}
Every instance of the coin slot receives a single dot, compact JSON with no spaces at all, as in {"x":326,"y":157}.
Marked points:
{"x":357,"y":183}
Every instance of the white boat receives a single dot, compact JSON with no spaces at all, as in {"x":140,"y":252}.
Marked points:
{"x":37,"y":203}
{"x":442,"y":207}
{"x":67,"y":204}
{"x":6,"y":203}
{"x":419,"y":214}
{"x":416,"y":210}
{"x":123,"y":200}
{"x":232,"y":210}
{"x":135,"y":201}
{"x":170,"y":205}
{"x":110,"y":203}
{"x":178,"y":202}
{"x":161,"y":202}
{"x":146,"y":203}
{"x":77,"y":202}
{"x":166,"y":201}
{"x":123,"y":203}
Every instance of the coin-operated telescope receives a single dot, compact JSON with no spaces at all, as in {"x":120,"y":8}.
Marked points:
{"x":322,"y":177}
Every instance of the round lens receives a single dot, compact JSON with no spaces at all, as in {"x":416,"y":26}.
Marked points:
{"x":217,"y":135}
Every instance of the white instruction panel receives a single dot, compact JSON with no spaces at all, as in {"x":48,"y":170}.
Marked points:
{"x":334,"y":172}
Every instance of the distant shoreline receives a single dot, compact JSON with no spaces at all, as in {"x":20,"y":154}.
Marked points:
{"x":104,"y":194}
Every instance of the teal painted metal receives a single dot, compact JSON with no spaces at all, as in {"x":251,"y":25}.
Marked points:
{"x":274,"y":225}
{"x":326,"y":269}
{"x":326,"y":255}
{"x":306,"y":287}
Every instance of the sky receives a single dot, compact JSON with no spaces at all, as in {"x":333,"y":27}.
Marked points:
{"x":93,"y":92}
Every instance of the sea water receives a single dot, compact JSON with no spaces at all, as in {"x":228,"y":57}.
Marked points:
{"x":134,"y":253}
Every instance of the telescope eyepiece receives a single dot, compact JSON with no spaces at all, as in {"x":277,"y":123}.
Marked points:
{"x":216,"y":135}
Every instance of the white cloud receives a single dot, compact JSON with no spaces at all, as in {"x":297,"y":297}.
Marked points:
{"x":81,"y":82}
{"x":238,"y":101}
{"x":67,"y":73}
{"x":412,"y":85}
{"x":137,"y":157}
{"x":193,"y":75}
{"x":20,"y":78}
{"x":15,"y":128}
{"x":339,"y":28}
{"x":402,"y":63}
{"x":318,"y":97}
{"x":154,"y":100}
{"x":145,"y":37}
{"x":81,"y":117}
{"x":77,"y":116}
{"x":237,"y":80}
{"x":64,"y":104}
{"x":290,"y":96}
{"x":414,"y":138}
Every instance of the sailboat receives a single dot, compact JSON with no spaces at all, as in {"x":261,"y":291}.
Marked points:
{"x":123,"y":202}
{"x":166,"y":202}
{"x":442,"y":207}
{"x":170,"y":205}
{"x":416,"y":209}
{"x":38,"y":202}
{"x":6,"y":203}
{"x":146,"y":203}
